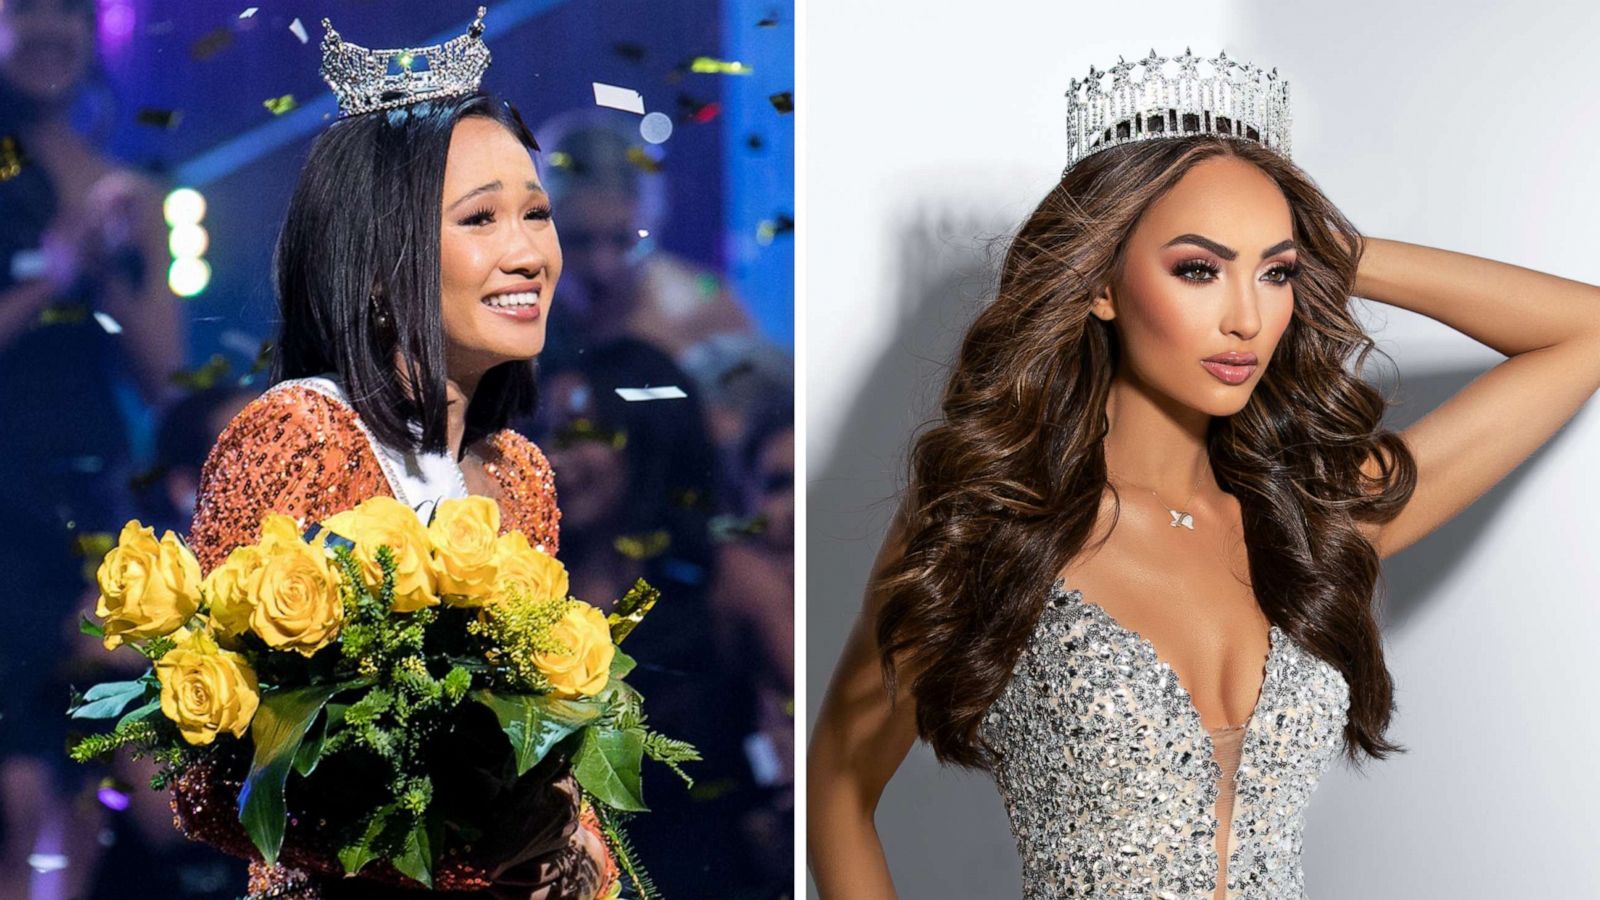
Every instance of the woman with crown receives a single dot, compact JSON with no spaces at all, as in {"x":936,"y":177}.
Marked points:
{"x":1157,"y":688}
{"x":415,"y":274}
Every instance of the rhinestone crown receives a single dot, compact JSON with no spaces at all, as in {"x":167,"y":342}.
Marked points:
{"x":1237,"y":99}
{"x":367,"y":80}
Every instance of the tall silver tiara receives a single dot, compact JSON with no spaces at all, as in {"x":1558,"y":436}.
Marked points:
{"x":1236,"y":99}
{"x":366,"y":80}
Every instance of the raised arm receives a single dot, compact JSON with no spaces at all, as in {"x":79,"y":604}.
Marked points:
{"x":858,"y":742}
{"x":1548,"y":326}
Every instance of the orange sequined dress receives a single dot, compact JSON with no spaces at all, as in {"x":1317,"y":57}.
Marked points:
{"x":300,"y":450}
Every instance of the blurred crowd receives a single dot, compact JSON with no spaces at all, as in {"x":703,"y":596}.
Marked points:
{"x":693,"y":493}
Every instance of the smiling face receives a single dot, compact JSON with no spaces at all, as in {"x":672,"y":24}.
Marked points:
{"x":499,"y":257}
{"x":1207,"y":270}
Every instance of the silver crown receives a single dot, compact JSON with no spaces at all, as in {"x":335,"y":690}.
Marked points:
{"x":1236,"y":100}
{"x":367,"y":80}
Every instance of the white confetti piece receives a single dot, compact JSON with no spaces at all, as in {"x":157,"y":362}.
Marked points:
{"x":299,"y":30}
{"x":669,"y":392}
{"x":614,"y":97}
{"x":112,"y":326}
{"x":249,"y":12}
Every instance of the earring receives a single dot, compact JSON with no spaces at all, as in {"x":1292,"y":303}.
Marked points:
{"x":379,"y":314}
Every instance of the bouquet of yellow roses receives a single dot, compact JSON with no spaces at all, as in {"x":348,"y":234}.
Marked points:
{"x":376,"y":671}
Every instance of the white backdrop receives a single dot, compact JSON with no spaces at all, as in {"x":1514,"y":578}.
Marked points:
{"x":933,"y":128}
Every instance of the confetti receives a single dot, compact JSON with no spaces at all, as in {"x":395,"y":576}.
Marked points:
{"x":769,"y":21}
{"x":630,"y":610}
{"x":560,"y":159}
{"x":147,"y":479}
{"x":112,"y":326}
{"x":629,"y":51}
{"x":582,"y":429}
{"x":643,"y":546}
{"x":754,"y":142}
{"x":656,"y":127}
{"x":726,"y":528}
{"x":280,"y":105}
{"x":614,"y":97}
{"x":210,"y":44}
{"x":771,"y":228}
{"x":159,"y":118}
{"x":63,"y":314}
{"x":47,"y":862}
{"x":10,"y":158}
{"x":249,"y":12}
{"x":643,"y":160}
{"x":667,"y":392}
{"x":204,"y":377}
{"x":783,"y":101}
{"x":709,"y":65}
{"x":299,"y":30}
{"x":698,"y":112}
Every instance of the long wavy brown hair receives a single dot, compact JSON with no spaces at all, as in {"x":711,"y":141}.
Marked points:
{"x":1003,"y":489}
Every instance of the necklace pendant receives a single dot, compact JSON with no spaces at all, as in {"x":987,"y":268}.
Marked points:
{"x":1182,"y":518}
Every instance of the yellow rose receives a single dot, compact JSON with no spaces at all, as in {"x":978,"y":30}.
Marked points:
{"x":583,"y":671}
{"x":206,"y":690}
{"x":294,"y":597}
{"x":465,"y":533}
{"x":227,"y":592}
{"x":380,"y":521}
{"x":148,"y":588}
{"x":530,"y":573}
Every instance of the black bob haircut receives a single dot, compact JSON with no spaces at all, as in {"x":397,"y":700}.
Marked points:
{"x":362,"y":236}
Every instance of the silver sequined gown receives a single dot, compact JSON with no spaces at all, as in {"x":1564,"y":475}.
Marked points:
{"x":1108,"y":773}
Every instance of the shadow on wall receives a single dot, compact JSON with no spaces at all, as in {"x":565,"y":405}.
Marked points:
{"x":945,"y":830}
{"x":1409,"y":578}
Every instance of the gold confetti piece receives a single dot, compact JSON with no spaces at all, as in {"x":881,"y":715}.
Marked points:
{"x":10,"y":158}
{"x":643,"y":546}
{"x":710,"y":65}
{"x":280,"y":105}
{"x":63,"y":314}
{"x":643,"y":160}
{"x":783,"y":101}
{"x":299,"y":30}
{"x":210,"y":44}
{"x":204,"y":377}
{"x":159,"y":118}
{"x":630,"y":610}
{"x":771,"y":228}
{"x":583,"y":429}
{"x":560,"y":159}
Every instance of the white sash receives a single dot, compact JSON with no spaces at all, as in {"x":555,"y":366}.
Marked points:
{"x":419,"y":480}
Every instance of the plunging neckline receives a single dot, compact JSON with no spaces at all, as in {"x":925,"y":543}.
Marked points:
{"x":1212,"y":788}
{"x":1273,"y":640}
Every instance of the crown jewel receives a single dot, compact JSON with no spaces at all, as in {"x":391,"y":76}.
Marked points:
{"x":1234,"y":99}
{"x":366,"y":80}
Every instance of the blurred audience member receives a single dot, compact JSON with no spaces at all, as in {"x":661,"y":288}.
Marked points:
{"x":635,"y":482}
{"x":735,"y":375}
{"x":752,"y":603}
{"x":83,"y":305}
{"x":609,"y":208}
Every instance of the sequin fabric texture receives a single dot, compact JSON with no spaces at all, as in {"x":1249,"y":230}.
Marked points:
{"x":298,"y":451}
{"x":1109,"y":778}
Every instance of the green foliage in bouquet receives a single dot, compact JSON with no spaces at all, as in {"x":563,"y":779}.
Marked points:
{"x":363,"y":644}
